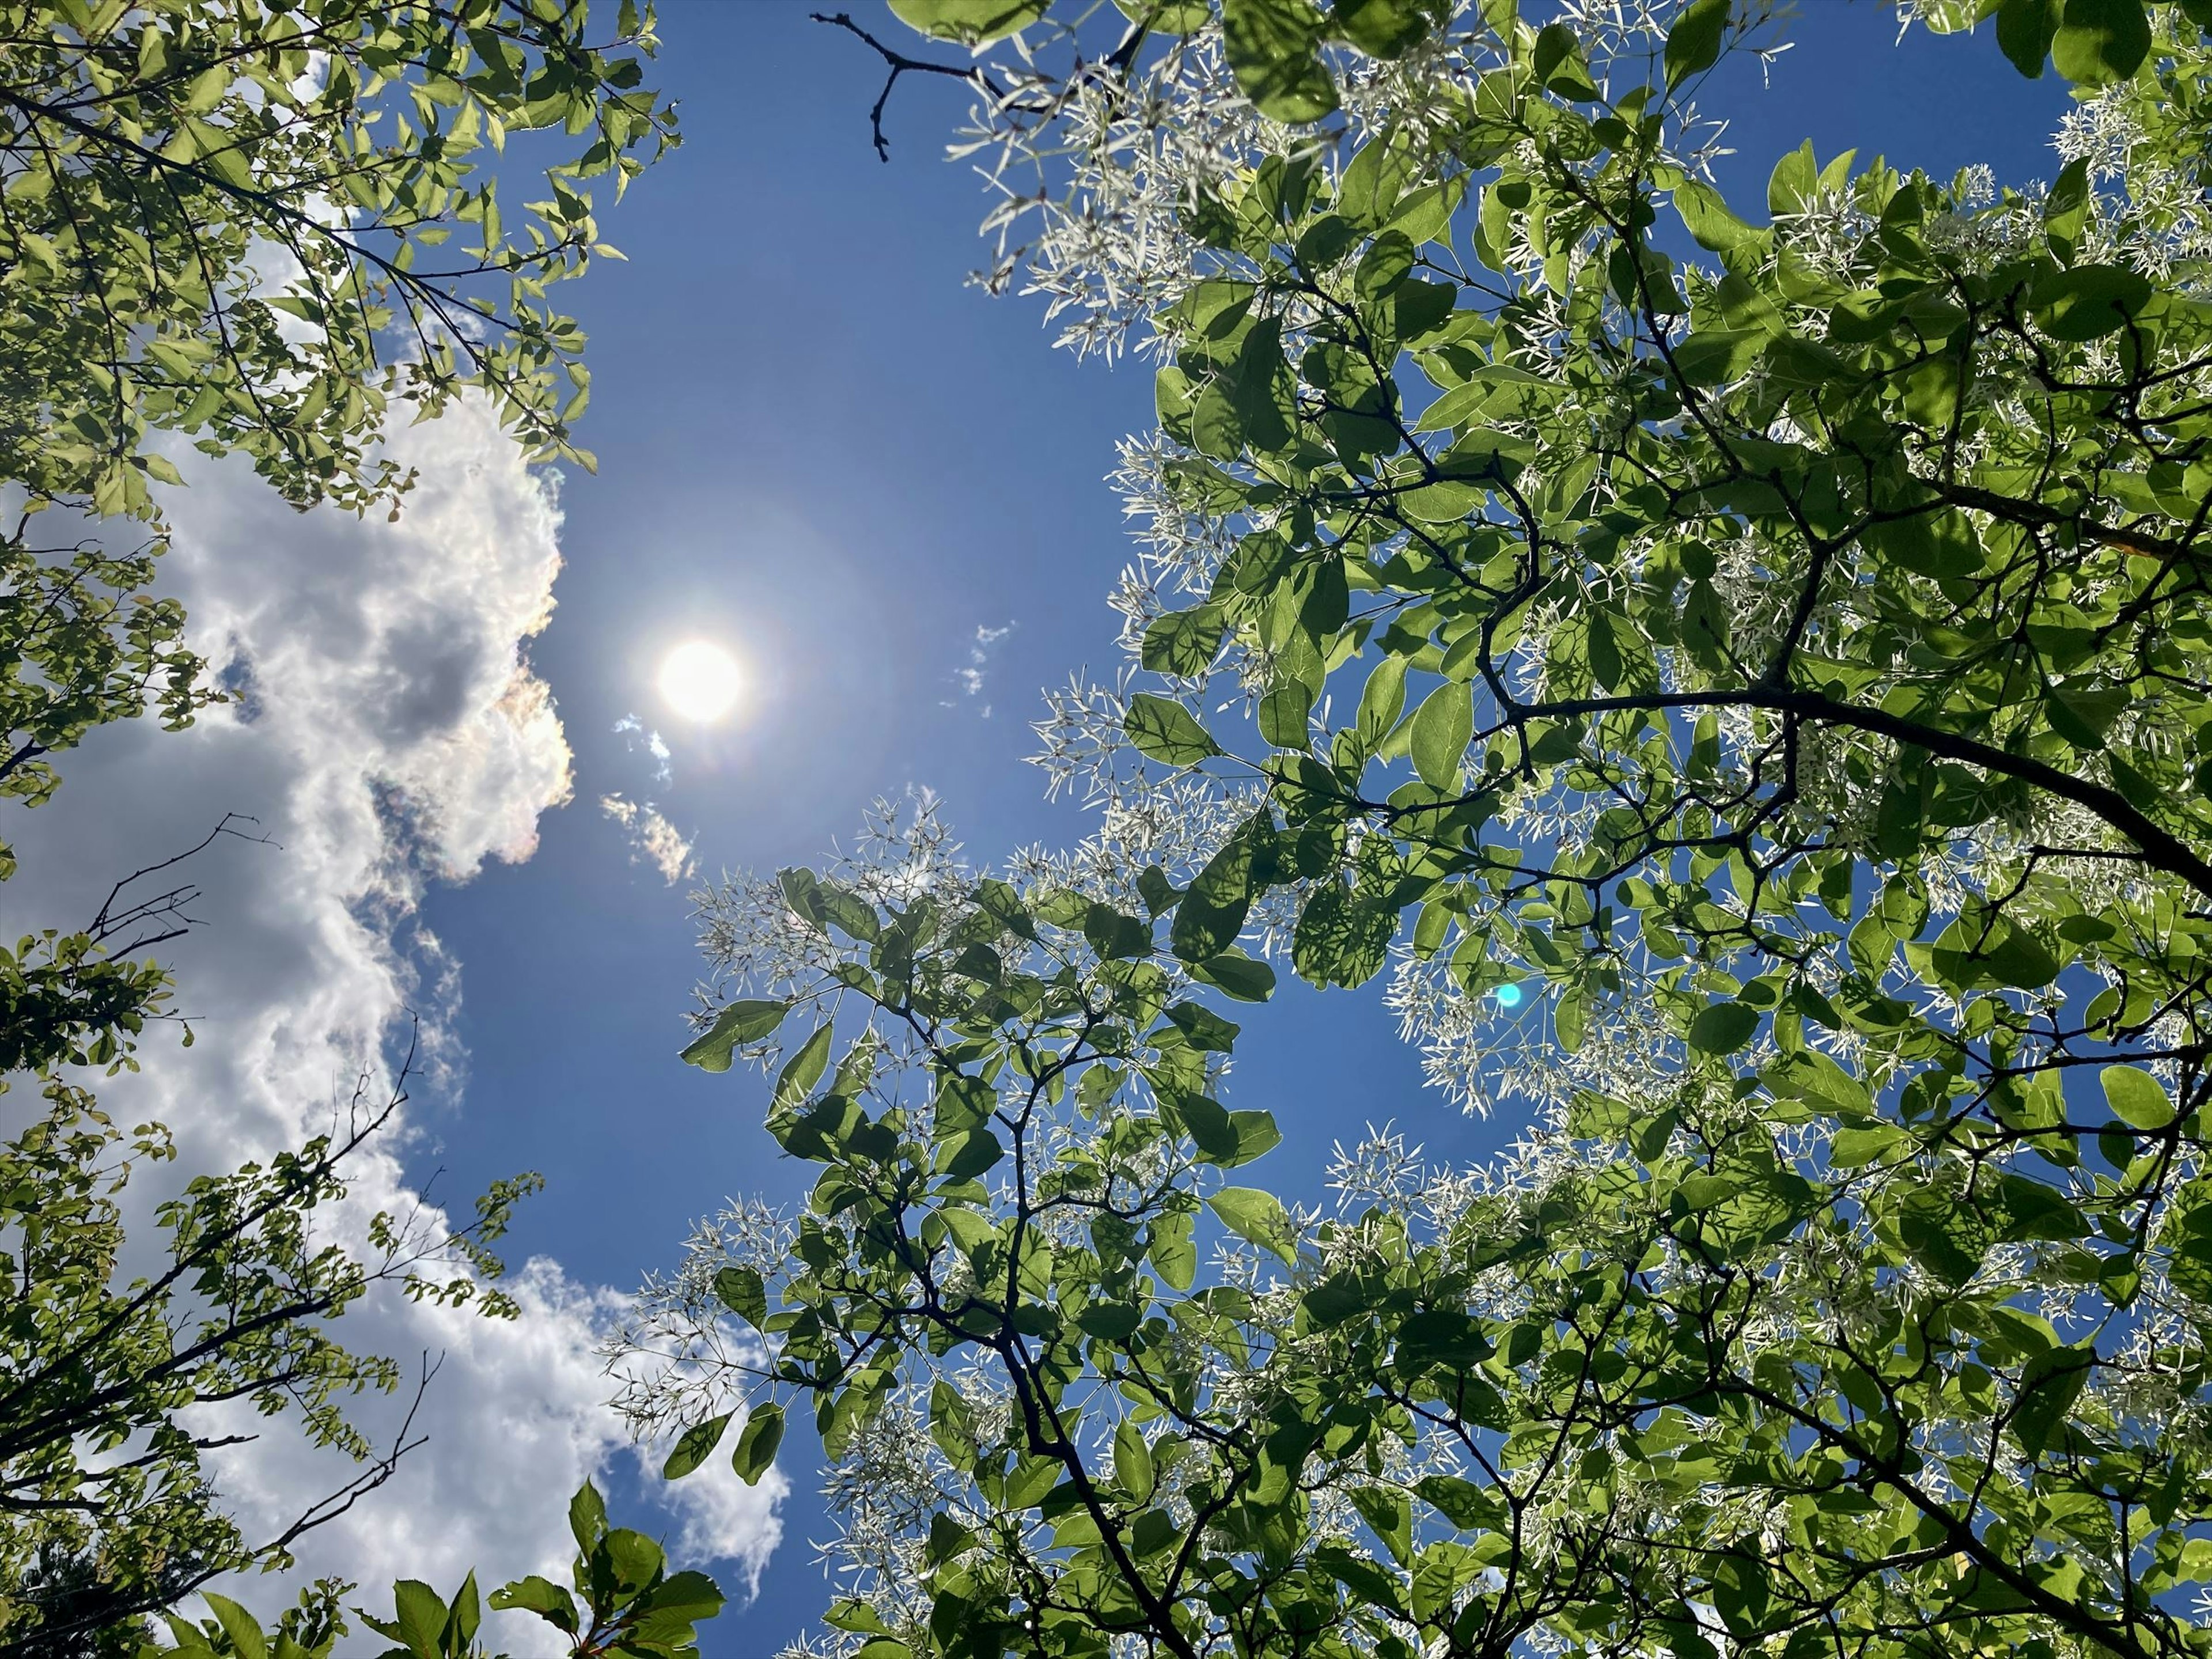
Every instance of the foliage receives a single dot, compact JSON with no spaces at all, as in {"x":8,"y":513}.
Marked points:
{"x":234,"y":221}
{"x":1776,"y":651}
{"x":221,"y":217}
{"x":631,"y":1606}
{"x":82,"y":643}
{"x":100,"y":1457}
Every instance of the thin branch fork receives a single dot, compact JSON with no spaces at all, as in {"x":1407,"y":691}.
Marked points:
{"x":974,"y":74}
{"x":109,"y":921}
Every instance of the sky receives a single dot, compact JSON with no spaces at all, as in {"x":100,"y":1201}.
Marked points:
{"x":884,"y":492}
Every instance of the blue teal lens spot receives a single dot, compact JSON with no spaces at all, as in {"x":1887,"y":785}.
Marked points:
{"x":1507,"y":996}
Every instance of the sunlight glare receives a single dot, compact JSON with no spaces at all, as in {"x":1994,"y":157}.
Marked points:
{"x":700,"y":681}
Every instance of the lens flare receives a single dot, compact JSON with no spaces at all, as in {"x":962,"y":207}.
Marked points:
{"x":1507,"y":996}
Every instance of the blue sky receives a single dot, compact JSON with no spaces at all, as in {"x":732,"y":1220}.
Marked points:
{"x":816,"y":445}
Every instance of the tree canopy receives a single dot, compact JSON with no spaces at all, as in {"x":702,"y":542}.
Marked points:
{"x":1737,"y":675}
{"x":236,"y":220}
{"x":264,"y":229}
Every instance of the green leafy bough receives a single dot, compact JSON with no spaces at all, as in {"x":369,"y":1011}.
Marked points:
{"x":626,"y":1605}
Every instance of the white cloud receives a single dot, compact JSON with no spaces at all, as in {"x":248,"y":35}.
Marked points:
{"x":970,"y":676}
{"x":635,"y":735}
{"x":394,"y":736}
{"x":652,"y":839}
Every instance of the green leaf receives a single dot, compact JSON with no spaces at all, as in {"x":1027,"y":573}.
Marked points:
{"x":1445,"y":1337}
{"x":1705,"y":214}
{"x":1166,"y":732}
{"x":802,"y":891}
{"x":1387,"y":263}
{"x":756,"y":1443}
{"x":1941,"y":544}
{"x":1273,"y":48}
{"x":1864,"y":1144}
{"x":1226,"y":1138}
{"x":1158,"y":893}
{"x":1168,"y":16}
{"x":972,"y":22}
{"x":2066,"y":208}
{"x":1374,"y":178}
{"x":2033,"y":1209}
{"x":1115,"y":936}
{"x":2021,"y":960}
{"x":694,"y":1446}
{"x":244,"y":1631}
{"x":1721,"y":1028}
{"x":1182,"y":642}
{"x":2050,"y":1383}
{"x":2024,"y":31}
{"x":1794,"y":185}
{"x":1169,"y":1243}
{"x":2100,"y":42}
{"x":1381,"y":699}
{"x":1215,"y":428}
{"x":420,"y":1613}
{"x":2186,"y":1236}
{"x":1693,"y":44}
{"x":1441,"y":727}
{"x":1263,"y":390}
{"x":1133,"y":1463}
{"x":679,"y":1601}
{"x":587,"y":1518}
{"x":1941,"y":1234}
{"x":635,"y":1559}
{"x":1384,"y":29}
{"x":2137,"y":1098}
{"x":1004,"y":906}
{"x":541,"y":1596}
{"x":739,"y":1024}
{"x":962,"y":1102}
{"x":2085,"y":302}
{"x":804,"y":1069}
{"x":1212,"y":912}
{"x":1237,"y":975}
{"x":2083,"y":714}
{"x":1390,"y":1515}
{"x":1341,"y":938}
{"x":1203,"y":1027}
{"x":965,"y":1156}
{"x":1259,"y":1217}
{"x":1284,"y":714}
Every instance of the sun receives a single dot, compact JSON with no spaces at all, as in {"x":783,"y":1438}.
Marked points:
{"x":701,"y":681}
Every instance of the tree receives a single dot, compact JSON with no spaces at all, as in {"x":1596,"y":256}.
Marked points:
{"x":1744,"y":683}
{"x":233,"y":222}
{"x":184,"y":177}
{"x":626,"y":1603}
{"x":100,"y":1466}
{"x":107,"y":1513}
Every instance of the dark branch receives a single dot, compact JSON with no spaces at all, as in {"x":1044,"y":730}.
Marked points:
{"x":900,"y":63}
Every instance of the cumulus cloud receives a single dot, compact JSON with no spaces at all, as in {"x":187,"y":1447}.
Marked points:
{"x":971,"y":674}
{"x":652,"y":839}
{"x":394,"y":736}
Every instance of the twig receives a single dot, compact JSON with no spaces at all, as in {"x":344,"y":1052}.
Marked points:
{"x":900,"y":63}
{"x":110,"y":922}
